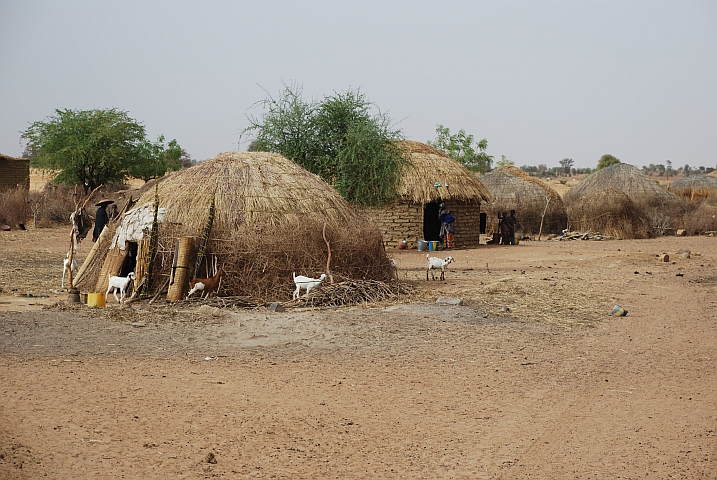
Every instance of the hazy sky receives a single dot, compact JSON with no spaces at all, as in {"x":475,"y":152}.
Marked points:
{"x":541,"y":80}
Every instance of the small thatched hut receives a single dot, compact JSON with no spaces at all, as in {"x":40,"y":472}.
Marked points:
{"x":430,"y":178}
{"x":695,"y":187}
{"x":609,"y":212}
{"x":14,"y":172}
{"x":625,"y":178}
{"x":270,"y":218}
{"x":513,"y":189}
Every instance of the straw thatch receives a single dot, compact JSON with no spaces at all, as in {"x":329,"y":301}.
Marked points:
{"x":713,"y":173}
{"x":695,"y":187}
{"x":513,"y":189}
{"x":270,"y":215}
{"x":626,"y":179}
{"x":428,"y":167}
{"x":609,"y":212}
{"x":428,"y":178}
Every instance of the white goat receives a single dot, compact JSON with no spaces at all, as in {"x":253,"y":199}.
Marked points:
{"x":394,"y":265}
{"x":307,"y":283}
{"x":435,"y":263}
{"x":65,"y":264}
{"x":119,"y":283}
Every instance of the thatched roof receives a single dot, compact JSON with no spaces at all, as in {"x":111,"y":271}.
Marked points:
{"x":625,"y":178}
{"x":428,"y":167}
{"x":513,"y":189}
{"x":609,"y":212}
{"x":8,"y":157}
{"x":694,"y":186}
{"x":252,"y":189}
{"x":713,"y":174}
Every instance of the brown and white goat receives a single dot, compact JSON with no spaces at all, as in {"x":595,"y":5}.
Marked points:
{"x":205,"y":285}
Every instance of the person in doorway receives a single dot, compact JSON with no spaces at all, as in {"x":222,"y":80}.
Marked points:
{"x":447,"y":229}
{"x":101,"y":218}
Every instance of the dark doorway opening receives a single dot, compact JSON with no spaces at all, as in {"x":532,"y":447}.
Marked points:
{"x":431,"y":222}
{"x":130,"y":261}
{"x":483,"y":222}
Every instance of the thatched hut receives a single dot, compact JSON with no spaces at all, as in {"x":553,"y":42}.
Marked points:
{"x":531,"y":198}
{"x":625,"y":178}
{"x":271,"y":218}
{"x":15,"y":172}
{"x":432,"y":177}
{"x":609,"y":212}
{"x":695,"y":187}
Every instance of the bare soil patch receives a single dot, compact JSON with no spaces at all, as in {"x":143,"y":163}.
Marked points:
{"x":529,"y":378}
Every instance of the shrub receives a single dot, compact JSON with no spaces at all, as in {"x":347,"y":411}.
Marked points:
{"x":13,"y":206}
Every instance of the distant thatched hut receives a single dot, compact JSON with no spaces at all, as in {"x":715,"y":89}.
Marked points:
{"x":696,"y":187}
{"x":609,"y":212}
{"x":513,"y":189}
{"x":625,"y":178}
{"x":14,"y":172}
{"x":269,"y":222}
{"x":430,"y":178}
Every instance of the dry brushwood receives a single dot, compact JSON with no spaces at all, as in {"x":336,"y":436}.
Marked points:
{"x":352,"y":292}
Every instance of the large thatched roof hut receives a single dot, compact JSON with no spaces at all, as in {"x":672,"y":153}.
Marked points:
{"x":513,"y":189}
{"x":609,"y":212}
{"x":625,"y":178}
{"x":269,"y":219}
{"x":695,"y":187}
{"x":432,"y":177}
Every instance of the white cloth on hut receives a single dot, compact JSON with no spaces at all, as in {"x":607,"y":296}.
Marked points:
{"x":136,"y":224}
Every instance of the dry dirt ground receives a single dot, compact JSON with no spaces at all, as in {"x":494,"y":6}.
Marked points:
{"x":529,"y":379}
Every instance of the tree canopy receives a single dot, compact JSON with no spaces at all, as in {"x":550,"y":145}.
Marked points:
{"x":337,"y":138}
{"x":154,"y":159}
{"x":94,"y":147}
{"x":607,"y":160}
{"x":460,"y":146}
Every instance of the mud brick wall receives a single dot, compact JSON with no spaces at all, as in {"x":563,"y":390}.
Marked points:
{"x":400,"y":221}
{"x":14,"y":172}
{"x":467,"y":223}
{"x":404,"y":221}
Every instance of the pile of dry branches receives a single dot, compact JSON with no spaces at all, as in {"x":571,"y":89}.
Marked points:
{"x":352,"y":292}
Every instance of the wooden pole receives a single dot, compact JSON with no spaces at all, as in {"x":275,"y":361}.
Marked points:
{"x":180,"y":281}
{"x":547,"y":202}
{"x":328,"y":259}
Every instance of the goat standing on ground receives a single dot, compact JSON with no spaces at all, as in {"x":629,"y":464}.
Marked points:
{"x":307,"y":283}
{"x":435,"y":263}
{"x":66,"y":265}
{"x":119,"y":283}
{"x":205,"y":285}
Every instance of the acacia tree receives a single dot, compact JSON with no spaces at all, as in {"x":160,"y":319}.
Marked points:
{"x":338,"y":139}
{"x":566,"y":163}
{"x":89,"y":147}
{"x":606,"y":161}
{"x":154,"y":159}
{"x":460,"y":147}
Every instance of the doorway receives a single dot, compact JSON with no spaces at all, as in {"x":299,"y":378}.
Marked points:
{"x":431,"y":222}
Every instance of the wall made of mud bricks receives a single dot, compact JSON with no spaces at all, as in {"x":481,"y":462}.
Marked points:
{"x":14,"y":173}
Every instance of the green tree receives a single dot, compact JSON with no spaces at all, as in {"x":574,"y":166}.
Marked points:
{"x":460,"y":146}
{"x":89,"y":147}
{"x":567,"y":164}
{"x":337,"y":138}
{"x":504,"y":162}
{"x":154,"y":159}
{"x":607,"y":160}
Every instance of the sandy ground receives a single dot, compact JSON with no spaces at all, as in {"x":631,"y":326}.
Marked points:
{"x":528,"y":379}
